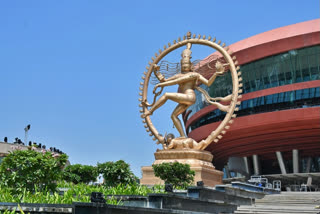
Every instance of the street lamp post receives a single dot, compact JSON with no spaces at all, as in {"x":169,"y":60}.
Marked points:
{"x":26,"y":129}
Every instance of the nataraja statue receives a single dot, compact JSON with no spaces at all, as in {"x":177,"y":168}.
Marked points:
{"x":188,"y":81}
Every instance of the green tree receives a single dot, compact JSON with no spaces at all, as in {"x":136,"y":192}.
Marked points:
{"x":115,"y":173}
{"x":177,"y":174}
{"x":78,"y":173}
{"x":32,"y":170}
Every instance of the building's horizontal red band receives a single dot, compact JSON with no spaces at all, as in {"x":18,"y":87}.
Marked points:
{"x":276,"y":41}
{"x":266,"y":133}
{"x":260,"y":93}
{"x":276,"y":47}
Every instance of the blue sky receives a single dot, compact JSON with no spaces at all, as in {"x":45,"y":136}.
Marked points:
{"x":72,"y":68}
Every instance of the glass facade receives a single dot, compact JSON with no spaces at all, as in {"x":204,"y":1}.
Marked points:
{"x":286,"y":68}
{"x":281,"y":101}
{"x":271,"y":166}
{"x":314,"y":164}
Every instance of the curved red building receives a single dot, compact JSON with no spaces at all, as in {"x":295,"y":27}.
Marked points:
{"x":277,"y":129}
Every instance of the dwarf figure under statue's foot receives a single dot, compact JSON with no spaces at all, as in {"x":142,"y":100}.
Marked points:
{"x":182,"y":143}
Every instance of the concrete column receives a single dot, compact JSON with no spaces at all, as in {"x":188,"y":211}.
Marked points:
{"x":256,"y":166}
{"x":227,"y":171}
{"x":308,"y":165}
{"x":246,"y":165}
{"x":295,"y":160}
{"x":281,"y":163}
{"x":309,"y":181}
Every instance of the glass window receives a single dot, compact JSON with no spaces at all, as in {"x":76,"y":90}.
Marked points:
{"x":264,"y":101}
{"x":312,"y":92}
{"x":291,"y":93}
{"x":281,"y":97}
{"x":255,"y":101}
{"x":246,"y":87}
{"x":306,"y":74}
{"x":288,"y":96}
{"x":269,"y":99}
{"x":253,"y":85}
{"x":314,"y":73}
{"x":298,"y":76}
{"x":258,"y":103}
{"x":288,"y":77}
{"x":275,"y":98}
{"x":266,"y":82}
{"x":274,"y":80}
{"x":305,"y":93}
{"x":317,"y":92}
{"x":281,"y":79}
{"x":245,"y":104}
{"x":298,"y":94}
{"x":259,"y":84}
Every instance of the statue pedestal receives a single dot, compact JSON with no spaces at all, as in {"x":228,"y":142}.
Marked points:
{"x":200,"y":161}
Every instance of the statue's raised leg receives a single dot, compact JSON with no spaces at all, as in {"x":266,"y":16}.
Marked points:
{"x":176,"y":97}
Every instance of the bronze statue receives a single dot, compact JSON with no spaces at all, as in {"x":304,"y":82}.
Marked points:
{"x":188,"y":80}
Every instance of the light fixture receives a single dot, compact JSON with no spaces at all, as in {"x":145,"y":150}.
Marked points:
{"x":168,"y":188}
{"x":200,"y":184}
{"x":27,"y":128}
{"x":97,"y":197}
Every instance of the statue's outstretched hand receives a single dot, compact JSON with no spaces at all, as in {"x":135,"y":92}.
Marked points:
{"x":160,"y":76}
{"x":220,"y":72}
{"x":219,"y":68}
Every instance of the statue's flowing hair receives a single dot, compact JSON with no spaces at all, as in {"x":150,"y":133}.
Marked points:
{"x":205,"y":67}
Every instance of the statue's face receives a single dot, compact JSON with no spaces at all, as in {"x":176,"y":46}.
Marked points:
{"x":186,"y":64}
{"x":186,"y":67}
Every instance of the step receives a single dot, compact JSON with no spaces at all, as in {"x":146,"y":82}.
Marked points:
{"x":298,"y":203}
{"x":273,"y":212}
{"x":276,"y":209}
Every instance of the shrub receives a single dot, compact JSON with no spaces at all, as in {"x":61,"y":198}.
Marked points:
{"x":75,"y":193}
{"x":177,"y":174}
{"x":115,"y":173}
{"x":78,"y":173}
{"x":32,"y":170}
